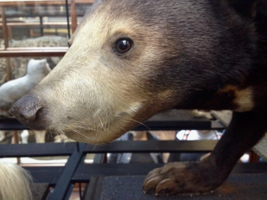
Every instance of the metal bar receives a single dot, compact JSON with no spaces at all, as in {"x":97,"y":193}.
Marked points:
{"x":33,"y":24}
{"x":33,"y":52}
{"x":174,"y":125}
{"x":40,"y":2}
{"x":153,"y":146}
{"x":86,"y":171}
{"x":68,"y":17}
{"x":48,"y":175}
{"x":69,"y":191}
{"x":52,"y":149}
{"x":162,"y":124}
{"x":61,"y":189}
{"x":33,"y":149}
{"x":11,"y":124}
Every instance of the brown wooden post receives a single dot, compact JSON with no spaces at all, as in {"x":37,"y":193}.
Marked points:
{"x":253,"y":157}
{"x":16,"y":141}
{"x":73,"y":15}
{"x":4,"y":28}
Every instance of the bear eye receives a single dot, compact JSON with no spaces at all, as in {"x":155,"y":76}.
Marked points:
{"x":123,"y":45}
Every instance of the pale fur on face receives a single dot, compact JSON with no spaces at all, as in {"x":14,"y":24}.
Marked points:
{"x":93,"y":95}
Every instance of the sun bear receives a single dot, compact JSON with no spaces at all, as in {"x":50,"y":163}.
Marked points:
{"x":131,"y":59}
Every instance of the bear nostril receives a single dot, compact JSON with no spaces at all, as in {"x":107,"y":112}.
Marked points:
{"x":26,"y":109}
{"x":30,"y":111}
{"x":30,"y":114}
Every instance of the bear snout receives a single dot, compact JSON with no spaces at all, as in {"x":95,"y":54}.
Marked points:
{"x":30,"y":111}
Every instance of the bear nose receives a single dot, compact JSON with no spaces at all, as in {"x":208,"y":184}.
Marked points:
{"x":29,"y":111}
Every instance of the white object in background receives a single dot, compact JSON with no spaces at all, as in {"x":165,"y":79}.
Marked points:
{"x":12,"y":90}
{"x":2,"y":136}
{"x":24,"y":136}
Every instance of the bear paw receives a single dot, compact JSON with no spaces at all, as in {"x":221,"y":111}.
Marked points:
{"x":180,"y":178}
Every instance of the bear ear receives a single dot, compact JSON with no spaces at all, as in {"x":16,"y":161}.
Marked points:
{"x":245,"y":8}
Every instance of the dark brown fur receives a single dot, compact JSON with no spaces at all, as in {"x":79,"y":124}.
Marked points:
{"x":205,"y":54}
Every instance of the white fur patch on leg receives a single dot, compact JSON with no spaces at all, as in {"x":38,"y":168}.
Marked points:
{"x":14,"y":182}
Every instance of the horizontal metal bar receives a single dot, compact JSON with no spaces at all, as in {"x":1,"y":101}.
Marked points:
{"x":48,"y":175}
{"x":34,"y":150}
{"x":29,"y":24}
{"x":86,"y":171}
{"x":33,"y":52}
{"x":53,"y":149}
{"x":153,"y":146}
{"x":174,"y":125}
{"x":41,"y":2}
{"x":11,"y":124}
{"x":158,"y":122}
